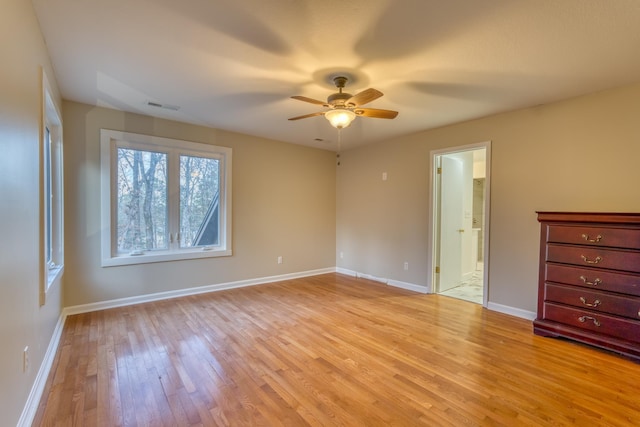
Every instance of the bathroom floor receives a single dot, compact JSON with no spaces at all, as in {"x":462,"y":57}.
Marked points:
{"x":469,"y":290}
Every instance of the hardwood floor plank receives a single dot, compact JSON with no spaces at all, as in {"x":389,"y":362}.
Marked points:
{"x":328,"y":350}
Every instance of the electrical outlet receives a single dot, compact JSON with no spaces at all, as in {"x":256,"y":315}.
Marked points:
{"x":25,"y":359}
{"x":280,"y":260}
{"x":406,"y":265}
{"x":341,"y":255}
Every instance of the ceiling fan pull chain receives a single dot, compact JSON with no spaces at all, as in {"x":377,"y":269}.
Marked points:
{"x":339,"y":145}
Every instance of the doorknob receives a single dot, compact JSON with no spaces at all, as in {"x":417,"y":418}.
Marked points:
{"x":461,"y":230}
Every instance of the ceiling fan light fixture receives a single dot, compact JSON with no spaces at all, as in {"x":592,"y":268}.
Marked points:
{"x":340,"y":118}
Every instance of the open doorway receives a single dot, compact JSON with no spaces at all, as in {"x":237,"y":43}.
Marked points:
{"x":460,"y":222}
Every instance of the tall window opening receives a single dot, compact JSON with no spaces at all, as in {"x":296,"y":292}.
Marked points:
{"x":51,"y":192}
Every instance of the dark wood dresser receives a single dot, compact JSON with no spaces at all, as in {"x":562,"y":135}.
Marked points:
{"x":589,"y":283}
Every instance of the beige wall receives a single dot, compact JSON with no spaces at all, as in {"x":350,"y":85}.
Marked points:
{"x":289,"y":200}
{"x":283,"y":205}
{"x":581,"y":154}
{"x":22,"y":321}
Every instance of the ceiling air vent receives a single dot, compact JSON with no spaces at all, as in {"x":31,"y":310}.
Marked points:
{"x":165,"y":106}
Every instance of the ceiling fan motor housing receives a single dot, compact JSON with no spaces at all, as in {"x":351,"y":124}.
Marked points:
{"x":338,"y":98}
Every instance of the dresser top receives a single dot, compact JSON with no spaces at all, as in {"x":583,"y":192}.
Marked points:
{"x":590,"y":217}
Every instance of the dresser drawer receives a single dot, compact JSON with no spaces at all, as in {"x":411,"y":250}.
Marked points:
{"x":596,"y":236}
{"x":593,"y":278}
{"x":595,"y":257}
{"x":594,"y":300}
{"x":596,"y":322}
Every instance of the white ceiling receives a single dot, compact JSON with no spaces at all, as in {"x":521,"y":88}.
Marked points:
{"x":233,"y":64}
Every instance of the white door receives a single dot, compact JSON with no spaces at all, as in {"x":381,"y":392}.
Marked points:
{"x":451,"y":223}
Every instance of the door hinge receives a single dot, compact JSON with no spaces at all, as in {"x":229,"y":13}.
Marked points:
{"x":437,"y":269}
{"x":439,"y":171}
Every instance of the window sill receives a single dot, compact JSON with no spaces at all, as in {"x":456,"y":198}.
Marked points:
{"x":152,"y":257}
{"x":54,"y":275}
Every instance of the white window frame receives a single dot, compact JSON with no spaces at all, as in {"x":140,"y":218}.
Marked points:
{"x":51,"y":193}
{"x":110,"y":141}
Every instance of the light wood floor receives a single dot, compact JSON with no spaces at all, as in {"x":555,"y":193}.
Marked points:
{"x":324,"y":351}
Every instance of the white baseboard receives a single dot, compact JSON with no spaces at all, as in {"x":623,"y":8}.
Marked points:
{"x":371,"y":277}
{"x":346,"y":272}
{"x":31,"y":406}
{"x":518,"y":312}
{"x":360,"y":275}
{"x":408,"y":286}
{"x":395,"y":283}
{"x":121,"y":302}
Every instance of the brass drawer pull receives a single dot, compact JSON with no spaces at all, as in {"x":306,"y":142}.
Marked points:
{"x":588,"y":239}
{"x":587,"y":282}
{"x":589,"y":261}
{"x":585,"y":318}
{"x":596,"y":303}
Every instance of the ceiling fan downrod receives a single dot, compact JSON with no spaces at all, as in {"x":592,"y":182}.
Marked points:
{"x":338,"y":99}
{"x":340,"y":82}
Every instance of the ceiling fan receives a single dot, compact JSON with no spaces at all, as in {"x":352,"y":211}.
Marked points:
{"x":344,"y":107}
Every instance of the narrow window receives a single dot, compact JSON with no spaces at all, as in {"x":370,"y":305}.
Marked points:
{"x":52,"y":201}
{"x":48,"y":200}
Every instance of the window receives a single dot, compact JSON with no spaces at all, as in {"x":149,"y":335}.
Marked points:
{"x":48,"y":198}
{"x":163,"y":199}
{"x":51,"y":192}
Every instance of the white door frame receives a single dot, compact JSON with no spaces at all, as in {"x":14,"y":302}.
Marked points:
{"x":433,"y":205}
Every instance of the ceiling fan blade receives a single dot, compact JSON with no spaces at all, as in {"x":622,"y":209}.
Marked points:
{"x":376,"y":113}
{"x":310,"y":100}
{"x":363,"y":97}
{"x":319,"y":113}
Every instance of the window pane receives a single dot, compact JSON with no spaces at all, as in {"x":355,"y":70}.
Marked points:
{"x":199,"y":197}
{"x":141,"y":200}
{"x":48,"y":194}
